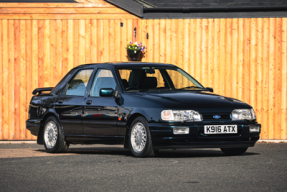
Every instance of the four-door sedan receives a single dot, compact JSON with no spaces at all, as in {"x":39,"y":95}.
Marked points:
{"x":145,"y":106}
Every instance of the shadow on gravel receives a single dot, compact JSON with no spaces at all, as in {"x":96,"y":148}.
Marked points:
{"x":161,"y":154}
{"x":194,"y":153}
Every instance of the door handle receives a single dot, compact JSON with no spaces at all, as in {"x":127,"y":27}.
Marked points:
{"x":89,"y":102}
{"x":60,"y":101}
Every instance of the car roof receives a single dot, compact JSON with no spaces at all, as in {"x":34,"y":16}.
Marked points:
{"x":126,"y":64}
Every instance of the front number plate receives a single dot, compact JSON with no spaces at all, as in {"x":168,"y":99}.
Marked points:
{"x":220,"y":129}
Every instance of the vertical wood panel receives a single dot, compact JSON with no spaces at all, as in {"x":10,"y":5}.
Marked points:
{"x":76,"y":43}
{"x":17,"y":80}
{"x":259,"y":67}
{"x":23,"y":82}
{"x":11,"y":76}
{"x":94,"y":41}
{"x":1,"y":79}
{"x":58,"y":50}
{"x":70,"y":43}
{"x":271,"y":104}
{"x":5,"y":92}
{"x":29,"y":77}
{"x":283,"y":119}
{"x":264,"y":130}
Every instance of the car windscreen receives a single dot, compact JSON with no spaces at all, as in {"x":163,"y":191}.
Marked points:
{"x":157,"y":79}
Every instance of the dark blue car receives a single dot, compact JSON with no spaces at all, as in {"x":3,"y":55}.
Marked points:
{"x":145,"y":106}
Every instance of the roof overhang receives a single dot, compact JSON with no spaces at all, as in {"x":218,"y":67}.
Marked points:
{"x":129,"y":6}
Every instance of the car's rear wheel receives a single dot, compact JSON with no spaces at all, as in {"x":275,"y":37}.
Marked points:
{"x":54,"y":139}
{"x":140,"y":138}
{"x":234,"y":151}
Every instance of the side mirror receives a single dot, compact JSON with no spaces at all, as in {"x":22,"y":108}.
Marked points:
{"x":209,"y":89}
{"x":106,"y":92}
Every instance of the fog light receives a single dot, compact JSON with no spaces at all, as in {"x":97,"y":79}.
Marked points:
{"x":254,"y":128}
{"x":180,"y":130}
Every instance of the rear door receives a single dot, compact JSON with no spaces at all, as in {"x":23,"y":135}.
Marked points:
{"x":101,"y":113}
{"x":69,"y":104}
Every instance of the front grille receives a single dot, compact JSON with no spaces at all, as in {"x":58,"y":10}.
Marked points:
{"x":209,"y":117}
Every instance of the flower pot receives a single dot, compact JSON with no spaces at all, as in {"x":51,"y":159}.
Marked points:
{"x":134,"y":55}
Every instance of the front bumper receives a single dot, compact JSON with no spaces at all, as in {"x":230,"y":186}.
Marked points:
{"x":33,"y":125}
{"x":163,"y":137}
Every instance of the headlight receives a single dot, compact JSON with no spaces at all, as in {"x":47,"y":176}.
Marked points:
{"x":243,"y":114}
{"x":186,"y":115}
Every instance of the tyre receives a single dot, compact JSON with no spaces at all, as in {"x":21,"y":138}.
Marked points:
{"x":54,"y":139}
{"x":140,"y":139}
{"x":234,"y":151}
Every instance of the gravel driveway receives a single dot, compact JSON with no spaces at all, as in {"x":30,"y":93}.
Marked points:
{"x":111,"y":168}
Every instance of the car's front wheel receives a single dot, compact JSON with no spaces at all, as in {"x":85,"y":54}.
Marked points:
{"x":140,"y":138}
{"x":234,"y":151}
{"x":54,"y":140}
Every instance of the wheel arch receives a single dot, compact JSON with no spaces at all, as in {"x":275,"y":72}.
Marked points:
{"x":40,"y":139}
{"x":130,"y":121}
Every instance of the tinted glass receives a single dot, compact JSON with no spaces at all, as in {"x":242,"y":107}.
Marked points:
{"x":157,"y":78}
{"x":104,"y":79}
{"x":78,"y":84}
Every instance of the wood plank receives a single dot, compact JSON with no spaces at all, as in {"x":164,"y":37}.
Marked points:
{"x":47,"y":54}
{"x":123,"y":43}
{"x":65,"y":47}
{"x":70,"y":44}
{"x":271,"y":84}
{"x":100,"y":24}
{"x":82,"y":46}
{"x":240,"y":58}
{"x":76,"y":43}
{"x":204,"y":51}
{"x":12,"y":34}
{"x":88,"y":41}
{"x":111,"y":45}
{"x":40,"y":53}
{"x":1,"y":79}
{"x":216,"y":72}
{"x":29,"y":78}
{"x":5,"y":85}
{"x":23,"y":84}
{"x":34,"y":63}
{"x":162,"y":41}
{"x":246,"y":59}
{"x":228,"y":60}
{"x":149,"y":51}
{"x":278,"y":83}
{"x":234,"y":58}
{"x":284,"y":80}
{"x":94,"y":41}
{"x":52,"y":75}
{"x":192,"y":46}
{"x":118,"y":40}
{"x":168,"y":41}
{"x":259,"y":66}
{"x":66,"y":16}
{"x":222,"y":65}
{"x":156,"y":42}
{"x":252,"y":68}
{"x":264,"y":122}
{"x":186,"y":40}
{"x":60,"y":10}
{"x":210,"y":54}
{"x":58,"y":50}
{"x":106,"y":41}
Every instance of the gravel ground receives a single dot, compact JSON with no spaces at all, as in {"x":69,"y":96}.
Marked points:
{"x":27,"y":167}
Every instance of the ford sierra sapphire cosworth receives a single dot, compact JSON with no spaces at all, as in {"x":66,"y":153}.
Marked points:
{"x":144,"y":106}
